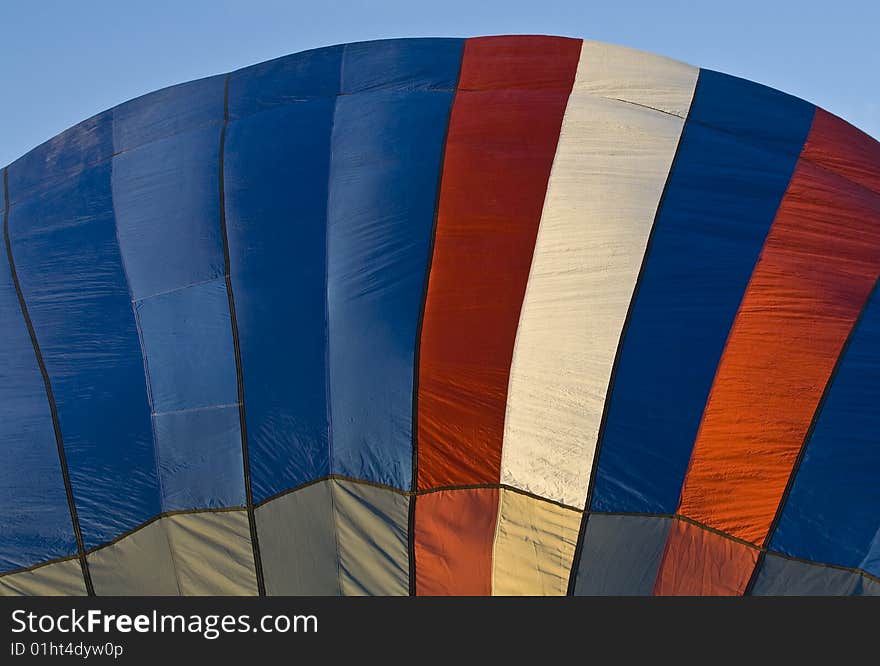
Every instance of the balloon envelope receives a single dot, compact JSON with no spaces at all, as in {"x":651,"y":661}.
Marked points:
{"x":503,"y":315}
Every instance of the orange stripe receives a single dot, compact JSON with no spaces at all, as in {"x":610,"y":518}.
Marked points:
{"x":502,"y":138}
{"x":844,"y":149}
{"x":818,"y":266}
{"x":454,"y":533}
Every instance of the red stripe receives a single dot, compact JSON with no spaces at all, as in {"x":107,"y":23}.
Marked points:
{"x":502,"y":138}
{"x":816,"y":271}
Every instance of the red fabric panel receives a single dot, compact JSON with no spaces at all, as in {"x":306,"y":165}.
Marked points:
{"x":503,"y":132}
{"x":454,"y":534}
{"x":698,"y":562}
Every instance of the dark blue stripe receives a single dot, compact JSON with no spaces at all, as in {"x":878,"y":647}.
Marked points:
{"x":833,"y":510}
{"x":34,"y":518}
{"x":64,"y":241}
{"x":384,"y":174}
{"x":276,"y":168}
{"x":738,"y":150}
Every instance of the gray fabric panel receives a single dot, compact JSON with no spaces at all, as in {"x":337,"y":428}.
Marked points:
{"x":780,"y":576}
{"x":139,"y":564}
{"x":57,"y":579}
{"x":212,"y":553}
{"x":372,"y":531}
{"x":298,"y":543}
{"x":204,"y":553}
{"x":621,"y":555}
{"x":870,"y":588}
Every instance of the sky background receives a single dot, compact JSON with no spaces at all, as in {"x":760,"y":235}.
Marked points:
{"x":64,"y":61}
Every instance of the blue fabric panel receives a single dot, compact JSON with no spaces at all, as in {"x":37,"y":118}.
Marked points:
{"x":167,"y":204}
{"x":61,"y":157}
{"x":34,"y":517}
{"x":188,"y":344}
{"x":621,"y":555}
{"x":402,"y":64}
{"x":783,"y":577}
{"x":284,"y":81}
{"x":199,"y":456}
{"x":385,"y":166}
{"x":737,"y":153}
{"x":276,"y":166}
{"x":164,"y":113}
{"x":66,"y":251}
{"x":833,"y":511}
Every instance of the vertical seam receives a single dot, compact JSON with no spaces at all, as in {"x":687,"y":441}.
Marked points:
{"x":414,"y":475}
{"x":47,"y":384}
{"x":255,"y":544}
{"x":327,"y":391}
{"x":579,"y":547}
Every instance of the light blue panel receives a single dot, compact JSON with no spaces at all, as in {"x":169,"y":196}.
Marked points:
{"x":384,"y":176}
{"x":188,"y":343}
{"x":199,"y":455}
{"x":167,"y":202}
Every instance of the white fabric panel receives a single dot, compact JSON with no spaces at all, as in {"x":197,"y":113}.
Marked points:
{"x":635,"y":76}
{"x":608,"y":174}
{"x":534,"y":546}
{"x":56,"y":579}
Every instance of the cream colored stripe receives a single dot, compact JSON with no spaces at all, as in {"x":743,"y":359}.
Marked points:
{"x":534,"y":547}
{"x":610,"y":168}
{"x":635,"y":76}
{"x":56,"y":579}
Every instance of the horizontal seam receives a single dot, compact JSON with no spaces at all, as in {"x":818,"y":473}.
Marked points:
{"x":196,"y":409}
{"x":216,"y":278}
{"x":407,"y":493}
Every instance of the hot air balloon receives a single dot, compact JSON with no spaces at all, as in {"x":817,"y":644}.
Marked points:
{"x":515,"y":315}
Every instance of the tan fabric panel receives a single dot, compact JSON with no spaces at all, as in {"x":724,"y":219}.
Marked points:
{"x":206,"y":553}
{"x":298,"y":543}
{"x":138,"y":564}
{"x":634,"y":76}
{"x":372,"y":531}
{"x":61,"y":579}
{"x":534,"y":546}
{"x":212,"y":553}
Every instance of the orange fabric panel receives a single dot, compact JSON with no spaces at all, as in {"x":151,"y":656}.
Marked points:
{"x":454,"y":533}
{"x":698,"y":562}
{"x":503,"y":132}
{"x":844,"y":149}
{"x":818,"y":266}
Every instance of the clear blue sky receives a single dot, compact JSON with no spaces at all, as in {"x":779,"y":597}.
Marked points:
{"x":65,"y":60}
